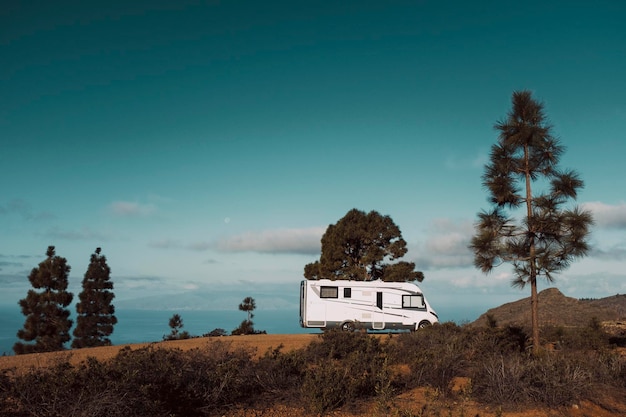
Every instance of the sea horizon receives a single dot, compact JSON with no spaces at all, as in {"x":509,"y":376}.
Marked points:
{"x":143,"y":325}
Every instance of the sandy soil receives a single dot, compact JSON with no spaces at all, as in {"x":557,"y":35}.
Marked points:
{"x":421,"y":401}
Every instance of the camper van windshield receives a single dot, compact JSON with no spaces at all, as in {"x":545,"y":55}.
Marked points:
{"x":413,"y":301}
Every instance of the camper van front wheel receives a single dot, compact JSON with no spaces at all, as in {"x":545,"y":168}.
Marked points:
{"x":347,"y":326}
{"x":423,"y":324}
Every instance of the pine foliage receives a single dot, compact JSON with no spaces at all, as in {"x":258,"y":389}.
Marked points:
{"x":95,"y":320}
{"x":47,"y":321}
{"x":533,"y":223}
{"x":363,"y":247}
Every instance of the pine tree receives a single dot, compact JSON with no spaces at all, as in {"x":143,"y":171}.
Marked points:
{"x":363,"y":247}
{"x":523,"y":178}
{"x":47,"y":318}
{"x":96,"y":318}
{"x":248,"y":305}
{"x":247,"y":326}
{"x":176,"y":324}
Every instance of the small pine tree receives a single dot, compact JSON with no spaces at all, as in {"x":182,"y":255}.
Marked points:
{"x":96,"y":318}
{"x":247,"y":326}
{"x":47,"y":318}
{"x":248,"y":305}
{"x":176,"y":323}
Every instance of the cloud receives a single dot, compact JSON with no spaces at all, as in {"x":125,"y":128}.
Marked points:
{"x":169,"y":243}
{"x":446,"y":245}
{"x":131,"y":209}
{"x":614,"y":253}
{"x":166,"y":244}
{"x":607,"y":216}
{"x":454,"y":162}
{"x":84,"y":233}
{"x":16,"y":278}
{"x":23,"y":209}
{"x":199,"y":246}
{"x":593,"y":285}
{"x":6,"y":263}
{"x":138,"y":282}
{"x":281,"y":241}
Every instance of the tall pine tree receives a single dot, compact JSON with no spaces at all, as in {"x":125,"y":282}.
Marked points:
{"x":47,"y":318}
{"x":95,"y":319}
{"x":534,"y":223}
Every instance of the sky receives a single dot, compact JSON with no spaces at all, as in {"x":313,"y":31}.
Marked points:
{"x":206,"y":146}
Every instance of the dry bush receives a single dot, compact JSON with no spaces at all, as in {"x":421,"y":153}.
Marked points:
{"x":435,"y":355}
{"x":590,"y":337}
{"x":336,"y":370}
{"x":150,"y":381}
{"x":342,"y":367}
{"x":280,"y":373}
{"x":551,"y":379}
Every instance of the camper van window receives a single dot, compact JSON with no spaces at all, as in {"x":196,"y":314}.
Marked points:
{"x":413,"y":301}
{"x":347,"y":293}
{"x":329,"y":292}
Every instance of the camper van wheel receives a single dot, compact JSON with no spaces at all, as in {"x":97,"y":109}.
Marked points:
{"x":347,"y":326}
{"x":423,"y":324}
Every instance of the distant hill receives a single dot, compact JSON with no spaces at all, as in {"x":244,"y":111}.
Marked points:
{"x":555,"y":309}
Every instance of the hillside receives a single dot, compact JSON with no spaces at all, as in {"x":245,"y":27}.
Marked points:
{"x":556,"y":309}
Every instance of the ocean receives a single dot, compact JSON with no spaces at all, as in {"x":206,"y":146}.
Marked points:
{"x":137,"y":326}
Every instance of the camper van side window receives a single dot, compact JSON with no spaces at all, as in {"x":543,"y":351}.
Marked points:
{"x":413,"y":301}
{"x":347,"y":293}
{"x":329,"y":292}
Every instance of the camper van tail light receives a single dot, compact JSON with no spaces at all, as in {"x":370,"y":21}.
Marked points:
{"x":434,"y":314}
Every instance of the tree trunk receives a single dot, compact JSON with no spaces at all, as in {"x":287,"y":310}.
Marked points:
{"x":534,"y":299}
{"x":534,"y":312}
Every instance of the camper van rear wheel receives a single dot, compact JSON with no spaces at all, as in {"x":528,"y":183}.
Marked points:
{"x":423,"y":324}
{"x":347,"y":326}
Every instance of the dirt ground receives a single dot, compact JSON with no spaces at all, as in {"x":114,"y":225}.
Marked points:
{"x":418,"y":402}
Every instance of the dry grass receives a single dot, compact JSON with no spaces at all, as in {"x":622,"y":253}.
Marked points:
{"x":258,"y":342}
{"x":416,"y":402}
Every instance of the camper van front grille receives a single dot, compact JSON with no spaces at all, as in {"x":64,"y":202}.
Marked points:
{"x":315,"y":323}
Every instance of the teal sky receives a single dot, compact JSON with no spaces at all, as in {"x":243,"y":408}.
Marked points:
{"x":206,"y":146}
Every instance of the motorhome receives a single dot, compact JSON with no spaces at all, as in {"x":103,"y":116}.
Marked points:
{"x":371,"y":305}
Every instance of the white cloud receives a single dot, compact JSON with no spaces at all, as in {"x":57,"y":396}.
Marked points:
{"x":613,"y":253}
{"x":454,"y":162}
{"x":127,"y":208}
{"x":200,"y":246}
{"x":592,"y":285}
{"x":289,"y":241}
{"x":84,"y":233}
{"x":445,"y":246}
{"x":165,"y":244}
{"x":607,"y":216}
{"x":477,"y":280}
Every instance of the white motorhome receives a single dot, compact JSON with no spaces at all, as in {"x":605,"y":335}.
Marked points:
{"x":374,"y":305}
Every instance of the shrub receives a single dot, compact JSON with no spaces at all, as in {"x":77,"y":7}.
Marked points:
{"x":337,"y":344}
{"x":435,"y":355}
{"x":552,"y":380}
{"x":87,"y":390}
{"x":185,"y":382}
{"x":216,"y":333}
{"x":280,"y":373}
{"x":342,"y":367}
